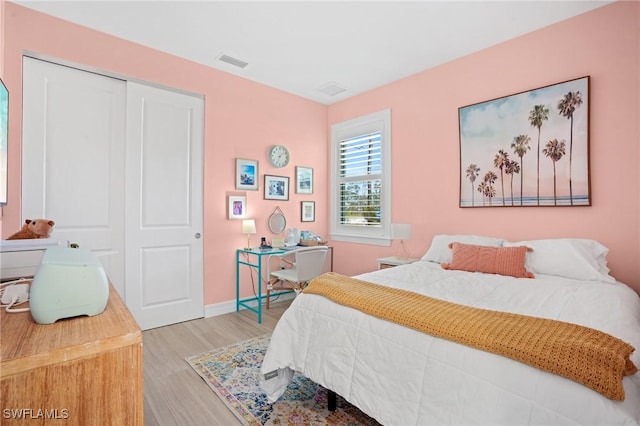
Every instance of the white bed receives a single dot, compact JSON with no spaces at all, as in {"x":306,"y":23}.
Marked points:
{"x":401,"y":376}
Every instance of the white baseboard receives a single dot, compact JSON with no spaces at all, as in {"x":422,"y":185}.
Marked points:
{"x":230,"y":306}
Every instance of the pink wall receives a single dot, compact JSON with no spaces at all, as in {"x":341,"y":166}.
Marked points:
{"x":604,"y":44}
{"x":2,"y":38}
{"x":2,"y":77}
{"x":242,"y":120}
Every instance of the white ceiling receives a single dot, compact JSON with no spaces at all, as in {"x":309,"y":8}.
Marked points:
{"x":300,"y":46}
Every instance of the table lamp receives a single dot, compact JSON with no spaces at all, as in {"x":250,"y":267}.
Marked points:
{"x":401,"y":231}
{"x":248,"y":227}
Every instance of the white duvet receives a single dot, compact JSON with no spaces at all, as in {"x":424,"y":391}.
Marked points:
{"x":401,"y":376}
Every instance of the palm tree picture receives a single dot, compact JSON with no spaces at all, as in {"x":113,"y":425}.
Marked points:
{"x":520,"y":146}
{"x":500,"y":162}
{"x":555,"y":151}
{"x":472,"y":173}
{"x":538,"y":115}
{"x":489,"y":190}
{"x":499,"y":136}
{"x":567,"y":106}
{"x":512,"y":168}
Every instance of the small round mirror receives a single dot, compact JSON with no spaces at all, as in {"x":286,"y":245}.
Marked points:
{"x":277,"y":221}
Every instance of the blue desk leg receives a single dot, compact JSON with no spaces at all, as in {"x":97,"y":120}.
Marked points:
{"x":237,"y":280}
{"x":259,"y":289}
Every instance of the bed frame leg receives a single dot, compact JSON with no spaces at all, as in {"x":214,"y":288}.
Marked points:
{"x":331,"y":400}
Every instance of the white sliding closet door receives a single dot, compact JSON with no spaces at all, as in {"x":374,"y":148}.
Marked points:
{"x":164,"y":175}
{"x":73,"y":137}
{"x":119,"y":167}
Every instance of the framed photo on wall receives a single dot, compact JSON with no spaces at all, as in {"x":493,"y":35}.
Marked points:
{"x":527,"y":149}
{"x":237,"y":206}
{"x":246,"y":174}
{"x":276,"y":187}
{"x":304,"y":180}
{"x":308,"y":211}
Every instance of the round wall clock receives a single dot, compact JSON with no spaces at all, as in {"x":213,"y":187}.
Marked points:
{"x":279,"y":156}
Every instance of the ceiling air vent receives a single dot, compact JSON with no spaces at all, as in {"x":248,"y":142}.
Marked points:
{"x":233,"y":61}
{"x":332,"y":89}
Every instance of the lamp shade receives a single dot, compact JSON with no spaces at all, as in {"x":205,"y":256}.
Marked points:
{"x":400,"y":231}
{"x":249,"y":226}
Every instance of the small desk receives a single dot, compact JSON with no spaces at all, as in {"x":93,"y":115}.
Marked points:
{"x":257,"y":264}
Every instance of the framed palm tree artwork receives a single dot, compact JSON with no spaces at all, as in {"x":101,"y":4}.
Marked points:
{"x":527,"y":149}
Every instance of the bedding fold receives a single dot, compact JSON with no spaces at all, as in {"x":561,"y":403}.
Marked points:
{"x":582,"y":354}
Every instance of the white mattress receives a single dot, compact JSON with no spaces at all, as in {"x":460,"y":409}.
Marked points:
{"x":401,"y":376}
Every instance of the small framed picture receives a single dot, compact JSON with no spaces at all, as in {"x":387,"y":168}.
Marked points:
{"x":276,"y":187}
{"x":308,"y":211}
{"x":304,"y":180}
{"x":246,"y":174}
{"x":237,"y":207}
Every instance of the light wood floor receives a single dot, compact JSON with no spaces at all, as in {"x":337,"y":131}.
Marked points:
{"x":173,"y":393}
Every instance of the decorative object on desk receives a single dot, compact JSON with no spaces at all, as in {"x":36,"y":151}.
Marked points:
{"x":293,"y":237}
{"x":552,"y":164}
{"x":277,"y":221}
{"x":248,"y":227}
{"x":237,"y":207}
{"x":315,"y":241}
{"x":308,"y":211}
{"x":402,"y":232}
{"x":246,"y":174}
{"x":233,"y":373}
{"x":277,"y":242}
{"x":276,"y":187}
{"x":279,"y":156}
{"x":304,"y":180}
{"x":308,"y":238}
{"x":264,"y":245}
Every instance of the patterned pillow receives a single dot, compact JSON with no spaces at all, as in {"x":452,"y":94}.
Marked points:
{"x":490,"y":260}
{"x":440,"y":252}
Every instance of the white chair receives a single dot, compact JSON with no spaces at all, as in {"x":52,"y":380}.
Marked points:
{"x":305,"y":264}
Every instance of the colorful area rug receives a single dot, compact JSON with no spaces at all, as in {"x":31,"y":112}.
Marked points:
{"x":233,"y":373}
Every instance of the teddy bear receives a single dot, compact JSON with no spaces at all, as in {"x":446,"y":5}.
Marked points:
{"x":34,"y":228}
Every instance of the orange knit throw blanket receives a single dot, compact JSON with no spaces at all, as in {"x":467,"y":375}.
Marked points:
{"x":591,"y":357}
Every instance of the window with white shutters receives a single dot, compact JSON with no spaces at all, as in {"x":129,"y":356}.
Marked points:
{"x":360,"y":180}
{"x":360,"y":183}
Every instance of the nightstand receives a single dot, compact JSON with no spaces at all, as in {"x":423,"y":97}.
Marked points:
{"x":391,"y":261}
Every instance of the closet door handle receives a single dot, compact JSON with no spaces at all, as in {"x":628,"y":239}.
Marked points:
{"x":197,"y":235}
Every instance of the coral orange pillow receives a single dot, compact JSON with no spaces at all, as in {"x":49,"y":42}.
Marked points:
{"x":491,"y":260}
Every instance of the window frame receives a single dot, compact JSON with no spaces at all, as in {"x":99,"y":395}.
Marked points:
{"x":379,"y":121}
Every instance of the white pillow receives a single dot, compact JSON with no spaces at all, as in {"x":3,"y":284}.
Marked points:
{"x":575,"y":258}
{"x":440,"y":252}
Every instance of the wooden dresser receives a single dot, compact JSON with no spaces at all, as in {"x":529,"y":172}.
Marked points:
{"x":79,"y":371}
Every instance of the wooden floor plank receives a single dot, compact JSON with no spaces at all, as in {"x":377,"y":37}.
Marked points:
{"x":174,"y":394}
